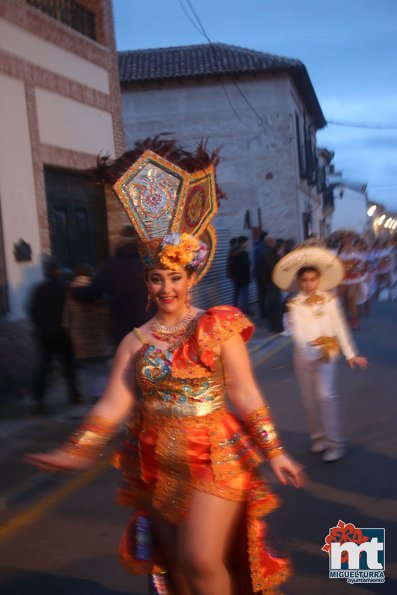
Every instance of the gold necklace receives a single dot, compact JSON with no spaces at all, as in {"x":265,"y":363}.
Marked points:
{"x":314,"y":300}
{"x":170,"y":334}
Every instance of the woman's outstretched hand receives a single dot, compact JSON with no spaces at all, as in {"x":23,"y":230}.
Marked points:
{"x":58,"y":460}
{"x":288,"y":471}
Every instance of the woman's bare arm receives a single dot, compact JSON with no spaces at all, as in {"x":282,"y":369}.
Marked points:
{"x":119,"y":396}
{"x":247,"y":397}
{"x":112,"y":408}
{"x":240,"y":382}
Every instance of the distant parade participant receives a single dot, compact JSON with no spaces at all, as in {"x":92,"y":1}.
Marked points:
{"x":371,"y":273}
{"x":364,"y":294}
{"x":385,"y":264}
{"x":354,"y":265}
{"x":319,"y":331}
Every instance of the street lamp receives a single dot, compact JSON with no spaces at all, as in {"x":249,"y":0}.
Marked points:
{"x":371,"y":210}
{"x":388,"y":222}
{"x":381,"y":219}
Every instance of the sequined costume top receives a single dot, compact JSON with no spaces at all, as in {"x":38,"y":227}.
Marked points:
{"x":183,"y":438}
{"x":354,"y":263}
{"x":384,"y":261}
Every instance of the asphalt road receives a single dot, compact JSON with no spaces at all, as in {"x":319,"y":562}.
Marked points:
{"x":59,"y":534}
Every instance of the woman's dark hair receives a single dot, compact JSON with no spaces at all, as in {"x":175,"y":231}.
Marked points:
{"x":304,"y":270}
{"x":188,"y":270}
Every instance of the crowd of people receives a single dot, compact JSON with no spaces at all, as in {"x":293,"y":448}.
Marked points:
{"x":370,"y":268}
{"x":267,"y":252}
{"x":82,"y":320}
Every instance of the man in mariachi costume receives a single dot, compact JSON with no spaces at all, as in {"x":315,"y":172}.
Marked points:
{"x":319,"y":332}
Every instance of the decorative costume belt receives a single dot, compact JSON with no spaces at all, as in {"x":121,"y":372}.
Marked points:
{"x":187,"y":409}
{"x":329,"y":346}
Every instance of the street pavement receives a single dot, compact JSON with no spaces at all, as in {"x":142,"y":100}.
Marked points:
{"x":59,"y":534}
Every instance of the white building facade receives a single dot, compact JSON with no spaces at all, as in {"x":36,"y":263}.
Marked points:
{"x":59,"y":108}
{"x":350,"y":205}
{"x":261,"y":110}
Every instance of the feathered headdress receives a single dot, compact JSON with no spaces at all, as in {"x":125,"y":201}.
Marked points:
{"x":170,"y":196}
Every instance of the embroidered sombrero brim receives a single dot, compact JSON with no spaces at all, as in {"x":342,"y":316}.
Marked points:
{"x":329,"y":265}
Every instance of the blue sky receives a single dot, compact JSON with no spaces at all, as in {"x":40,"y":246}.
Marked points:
{"x":349,"y":48}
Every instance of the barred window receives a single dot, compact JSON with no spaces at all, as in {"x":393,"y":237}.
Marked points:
{"x":300,"y":148}
{"x":70,"y":13}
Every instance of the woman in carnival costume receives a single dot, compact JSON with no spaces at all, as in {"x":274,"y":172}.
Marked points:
{"x":190,"y":467}
{"x":385,"y":266}
{"x":319,"y":332}
{"x":354,"y":264}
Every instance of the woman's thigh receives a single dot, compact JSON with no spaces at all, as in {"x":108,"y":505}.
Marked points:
{"x":205,"y":535}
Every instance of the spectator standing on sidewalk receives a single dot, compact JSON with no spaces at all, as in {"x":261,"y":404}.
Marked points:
{"x":45,"y":310}
{"x":319,"y":331}
{"x":121,"y":280}
{"x":259,"y":249}
{"x":87,"y":323}
{"x":241,"y":275}
{"x":272,"y":293}
{"x":233,"y":246}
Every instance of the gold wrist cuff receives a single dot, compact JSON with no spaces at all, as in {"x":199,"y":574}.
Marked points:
{"x":262,"y":431}
{"x":90,"y":439}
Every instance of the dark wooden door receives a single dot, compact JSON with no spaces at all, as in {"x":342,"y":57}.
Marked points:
{"x":3,"y":274}
{"x":77,"y":218}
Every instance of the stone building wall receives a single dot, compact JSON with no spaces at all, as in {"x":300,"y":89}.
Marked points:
{"x":259,"y":151}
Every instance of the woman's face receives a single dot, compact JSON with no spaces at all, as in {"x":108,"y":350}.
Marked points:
{"x":168,"y":289}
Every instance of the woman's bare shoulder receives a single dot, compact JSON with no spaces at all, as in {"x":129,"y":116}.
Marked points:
{"x":131,"y":343}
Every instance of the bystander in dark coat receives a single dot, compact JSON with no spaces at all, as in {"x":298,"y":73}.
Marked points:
{"x":45,"y":310}
{"x":88,"y":326}
{"x":272,"y":293}
{"x":240,"y":266}
{"x":259,"y":249}
{"x":121,"y":280}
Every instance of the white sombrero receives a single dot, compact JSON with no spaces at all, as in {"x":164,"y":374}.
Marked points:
{"x":329,"y":265}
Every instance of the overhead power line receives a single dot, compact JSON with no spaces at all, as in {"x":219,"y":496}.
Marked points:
{"x":361,"y":125}
{"x":198,"y":25}
{"x":196,"y":22}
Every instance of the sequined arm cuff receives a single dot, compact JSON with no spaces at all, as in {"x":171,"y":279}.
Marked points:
{"x":262,"y":431}
{"x":90,"y":439}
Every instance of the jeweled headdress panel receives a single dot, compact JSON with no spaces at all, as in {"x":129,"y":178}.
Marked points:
{"x":162,"y":199}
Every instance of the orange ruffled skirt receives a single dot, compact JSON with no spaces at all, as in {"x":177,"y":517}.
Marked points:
{"x":163,"y":459}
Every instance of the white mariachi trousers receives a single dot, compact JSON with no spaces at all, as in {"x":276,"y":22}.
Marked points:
{"x":321,"y":400}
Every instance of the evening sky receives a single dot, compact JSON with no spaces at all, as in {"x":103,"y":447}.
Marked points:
{"x":349,"y":48}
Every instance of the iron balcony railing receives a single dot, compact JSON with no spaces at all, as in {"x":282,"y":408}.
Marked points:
{"x":70,"y":13}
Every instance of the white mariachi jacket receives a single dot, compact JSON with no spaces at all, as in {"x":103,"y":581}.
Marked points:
{"x":315,"y":317}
